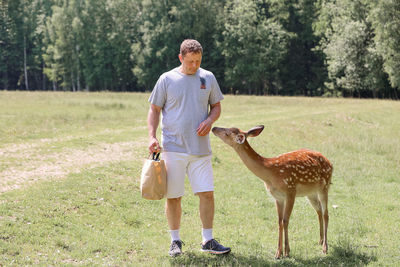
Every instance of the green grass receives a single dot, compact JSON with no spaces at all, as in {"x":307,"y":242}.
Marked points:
{"x":69,"y":182}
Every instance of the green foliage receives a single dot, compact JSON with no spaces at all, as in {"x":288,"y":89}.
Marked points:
{"x":302,"y":70}
{"x":354,"y":66}
{"x":164,"y":25}
{"x":254,"y":45}
{"x":354,"y":63}
{"x":280,"y":47}
{"x":10,"y":42}
{"x":88,"y":44}
{"x":386,"y":22}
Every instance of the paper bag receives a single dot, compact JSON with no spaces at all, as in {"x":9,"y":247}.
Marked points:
{"x":153,"y":181}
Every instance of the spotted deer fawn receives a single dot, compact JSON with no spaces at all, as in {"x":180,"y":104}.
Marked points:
{"x":294,"y":174}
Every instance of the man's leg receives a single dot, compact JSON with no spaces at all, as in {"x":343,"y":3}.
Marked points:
{"x":206,"y":209}
{"x":173,"y":210}
{"x":176,"y":171}
{"x":209,"y":244}
{"x":201,"y":179}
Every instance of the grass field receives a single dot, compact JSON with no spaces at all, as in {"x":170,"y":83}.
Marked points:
{"x":69,"y":183}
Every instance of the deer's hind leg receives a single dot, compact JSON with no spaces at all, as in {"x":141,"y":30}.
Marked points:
{"x":314,"y":201}
{"x":323,"y":198}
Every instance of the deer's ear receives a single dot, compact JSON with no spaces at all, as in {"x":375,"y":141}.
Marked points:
{"x":255,"y":131}
{"x":240,"y":138}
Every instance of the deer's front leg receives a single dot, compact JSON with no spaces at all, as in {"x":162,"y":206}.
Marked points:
{"x":289,"y":202}
{"x":280,"y":205}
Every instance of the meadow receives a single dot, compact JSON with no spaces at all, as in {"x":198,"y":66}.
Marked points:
{"x":70,"y":168}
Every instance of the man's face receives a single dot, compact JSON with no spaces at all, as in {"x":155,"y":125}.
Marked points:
{"x":190,"y":63}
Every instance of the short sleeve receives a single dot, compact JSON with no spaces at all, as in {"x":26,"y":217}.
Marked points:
{"x":215,"y":94}
{"x":158,"y":95}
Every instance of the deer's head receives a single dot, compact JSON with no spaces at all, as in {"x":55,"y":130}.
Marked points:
{"x":235,"y":136}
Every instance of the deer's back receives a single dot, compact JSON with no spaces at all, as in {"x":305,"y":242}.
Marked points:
{"x":304,"y":170}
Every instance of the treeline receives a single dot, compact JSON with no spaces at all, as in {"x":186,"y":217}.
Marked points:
{"x":280,"y":47}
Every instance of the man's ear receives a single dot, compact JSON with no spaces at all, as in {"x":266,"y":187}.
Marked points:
{"x":240,"y":138}
{"x":180,"y":58}
{"x":255,"y":131}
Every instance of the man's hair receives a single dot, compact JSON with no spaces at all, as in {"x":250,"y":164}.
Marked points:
{"x":190,"y":46}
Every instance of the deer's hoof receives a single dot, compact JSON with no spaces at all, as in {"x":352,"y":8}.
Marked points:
{"x":278,"y":254}
{"x":325,"y":249}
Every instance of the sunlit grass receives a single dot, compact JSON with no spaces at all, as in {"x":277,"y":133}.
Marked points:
{"x":95,"y":215}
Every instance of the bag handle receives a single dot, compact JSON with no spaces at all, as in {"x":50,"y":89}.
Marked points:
{"x":156,"y":156}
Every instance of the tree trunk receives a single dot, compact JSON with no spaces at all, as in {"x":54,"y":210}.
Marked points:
{"x":6,"y":79}
{"x":54,"y":81}
{"x":64,"y":82}
{"x":395,"y":94}
{"x":25,"y":67}
{"x":78,"y":82}
{"x":43,"y":78}
{"x":73,"y":82}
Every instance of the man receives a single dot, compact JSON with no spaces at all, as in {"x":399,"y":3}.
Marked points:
{"x":183,"y":95}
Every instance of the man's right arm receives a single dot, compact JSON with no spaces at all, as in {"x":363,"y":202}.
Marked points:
{"x":153,"y":119}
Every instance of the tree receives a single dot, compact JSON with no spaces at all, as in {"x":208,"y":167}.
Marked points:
{"x":5,"y":43}
{"x":61,"y":46}
{"x":88,"y":44}
{"x":302,"y":70}
{"x":11,"y":54}
{"x":254,"y":46}
{"x":164,"y":25}
{"x":385,"y":18}
{"x":354,"y":66}
{"x":22,"y":47}
{"x":125,"y":24}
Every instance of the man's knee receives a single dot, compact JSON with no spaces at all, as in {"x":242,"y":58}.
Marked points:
{"x":206,"y":195}
{"x":174,"y":201}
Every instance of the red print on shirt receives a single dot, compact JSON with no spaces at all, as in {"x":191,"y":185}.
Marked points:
{"x":203,"y":83}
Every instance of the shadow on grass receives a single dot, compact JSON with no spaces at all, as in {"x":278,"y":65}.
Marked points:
{"x":346,"y":255}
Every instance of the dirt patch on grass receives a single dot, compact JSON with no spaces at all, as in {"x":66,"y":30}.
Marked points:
{"x":25,"y":163}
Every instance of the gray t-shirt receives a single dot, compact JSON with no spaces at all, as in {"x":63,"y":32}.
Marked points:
{"x":185,"y":101}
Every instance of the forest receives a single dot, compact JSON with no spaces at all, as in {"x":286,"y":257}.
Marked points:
{"x":330,"y":48}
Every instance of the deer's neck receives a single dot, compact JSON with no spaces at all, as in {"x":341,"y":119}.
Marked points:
{"x":253,"y":161}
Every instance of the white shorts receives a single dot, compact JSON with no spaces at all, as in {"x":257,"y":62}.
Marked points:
{"x":197,"y":168}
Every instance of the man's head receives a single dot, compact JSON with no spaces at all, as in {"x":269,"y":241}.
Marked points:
{"x":190,"y":56}
{"x":190,"y":46}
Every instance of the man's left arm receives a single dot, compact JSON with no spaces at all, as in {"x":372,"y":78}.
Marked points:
{"x":205,"y":127}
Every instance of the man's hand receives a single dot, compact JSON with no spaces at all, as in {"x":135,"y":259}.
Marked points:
{"x":154,"y":145}
{"x":152,"y":123}
{"x":204,"y":127}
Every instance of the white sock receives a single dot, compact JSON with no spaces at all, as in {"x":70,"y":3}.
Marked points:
{"x":206,"y":234}
{"x":174,"y":235}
